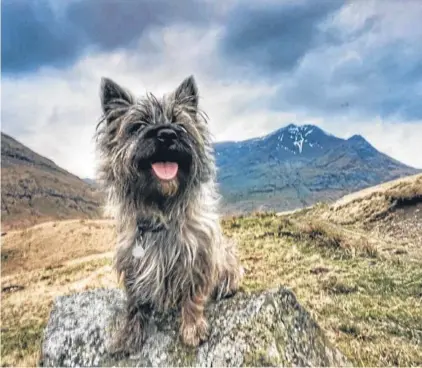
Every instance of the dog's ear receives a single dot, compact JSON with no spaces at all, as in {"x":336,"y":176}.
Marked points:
{"x":187,"y":92}
{"x":114,"y":98}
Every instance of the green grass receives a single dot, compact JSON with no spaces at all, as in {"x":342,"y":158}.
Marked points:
{"x":21,"y":343}
{"x":370,"y":306}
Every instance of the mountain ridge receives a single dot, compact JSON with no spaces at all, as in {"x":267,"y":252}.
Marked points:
{"x":298,"y":165}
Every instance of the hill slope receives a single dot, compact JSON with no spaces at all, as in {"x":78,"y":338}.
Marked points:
{"x":35,"y":189}
{"x":356,"y":265}
{"x":297,"y":166}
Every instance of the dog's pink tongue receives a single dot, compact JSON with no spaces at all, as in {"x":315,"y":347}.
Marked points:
{"x":165,"y":170}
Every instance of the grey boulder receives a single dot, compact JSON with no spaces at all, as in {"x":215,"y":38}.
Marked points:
{"x":268,"y":328}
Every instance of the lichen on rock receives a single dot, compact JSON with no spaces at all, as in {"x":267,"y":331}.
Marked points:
{"x":261,"y":329}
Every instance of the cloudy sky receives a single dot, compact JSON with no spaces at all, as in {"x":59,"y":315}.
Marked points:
{"x":350,"y":67}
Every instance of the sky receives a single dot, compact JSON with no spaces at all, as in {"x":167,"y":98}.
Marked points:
{"x":352,"y":67}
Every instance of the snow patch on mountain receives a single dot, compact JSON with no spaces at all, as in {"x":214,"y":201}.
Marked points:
{"x":299,"y":143}
{"x":298,"y":138}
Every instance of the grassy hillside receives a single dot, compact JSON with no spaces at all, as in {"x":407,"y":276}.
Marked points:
{"x":355,"y":265}
{"x":34,"y":189}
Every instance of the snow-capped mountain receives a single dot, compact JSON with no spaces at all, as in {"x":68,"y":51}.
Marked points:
{"x":298,"y":140}
{"x":297,"y":166}
{"x":288,"y":142}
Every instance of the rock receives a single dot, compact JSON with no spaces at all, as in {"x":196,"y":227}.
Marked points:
{"x":262,"y":329}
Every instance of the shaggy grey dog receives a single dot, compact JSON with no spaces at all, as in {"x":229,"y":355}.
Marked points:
{"x":158,"y":169}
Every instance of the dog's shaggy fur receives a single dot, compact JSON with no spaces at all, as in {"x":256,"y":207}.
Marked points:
{"x":185,"y":260}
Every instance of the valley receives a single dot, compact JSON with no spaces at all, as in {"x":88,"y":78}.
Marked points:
{"x":290,"y":201}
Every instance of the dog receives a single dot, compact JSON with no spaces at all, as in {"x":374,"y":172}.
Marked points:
{"x":158,"y":169}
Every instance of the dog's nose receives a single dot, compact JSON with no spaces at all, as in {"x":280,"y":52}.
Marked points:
{"x":166,"y":135}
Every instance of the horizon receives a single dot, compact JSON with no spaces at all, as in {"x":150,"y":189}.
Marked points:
{"x":348,"y":68}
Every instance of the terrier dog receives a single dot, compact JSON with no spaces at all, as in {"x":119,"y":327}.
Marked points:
{"x":158,"y":170}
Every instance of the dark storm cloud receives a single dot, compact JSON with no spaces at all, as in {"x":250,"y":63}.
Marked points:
{"x":304,"y":47}
{"x":35,"y":34}
{"x":383,"y":81}
{"x":274,"y":37}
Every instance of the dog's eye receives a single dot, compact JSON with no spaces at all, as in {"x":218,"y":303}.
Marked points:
{"x":135,"y":127}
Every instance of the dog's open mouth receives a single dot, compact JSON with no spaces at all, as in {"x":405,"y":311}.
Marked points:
{"x":165,"y":170}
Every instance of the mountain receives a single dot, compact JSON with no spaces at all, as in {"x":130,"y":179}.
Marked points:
{"x":35,"y":189}
{"x":297,"y":166}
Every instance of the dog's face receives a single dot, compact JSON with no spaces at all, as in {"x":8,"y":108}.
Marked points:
{"x":153,"y":150}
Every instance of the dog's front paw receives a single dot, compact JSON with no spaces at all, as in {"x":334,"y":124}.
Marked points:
{"x":131,"y":332}
{"x":194,"y":334}
{"x":128,"y":339}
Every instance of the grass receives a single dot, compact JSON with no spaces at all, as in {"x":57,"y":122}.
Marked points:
{"x":368,"y":302}
{"x":376,"y":203}
{"x":362,"y":286}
